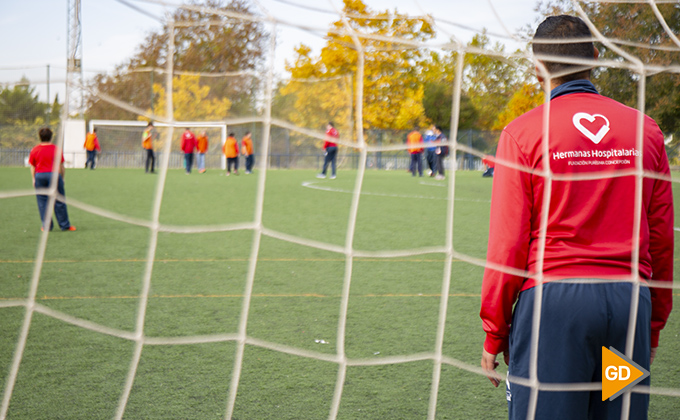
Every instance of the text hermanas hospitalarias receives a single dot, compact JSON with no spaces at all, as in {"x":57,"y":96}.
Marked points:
{"x":603,"y":154}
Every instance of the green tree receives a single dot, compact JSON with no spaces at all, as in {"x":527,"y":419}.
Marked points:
{"x":438,"y":73}
{"x":645,"y":40}
{"x":662,"y":93}
{"x":20,"y":104}
{"x":232,"y":46}
{"x":490,"y":80}
{"x":55,"y":110}
{"x":438,"y":103}
{"x":22,"y":114}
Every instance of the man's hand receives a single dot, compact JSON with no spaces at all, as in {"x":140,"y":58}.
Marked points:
{"x":489,"y":364}
{"x":652,"y":355}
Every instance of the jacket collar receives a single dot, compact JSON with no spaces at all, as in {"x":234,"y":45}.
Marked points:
{"x":574,"y":86}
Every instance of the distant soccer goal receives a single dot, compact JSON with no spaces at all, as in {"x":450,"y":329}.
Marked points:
{"x":120,"y":141}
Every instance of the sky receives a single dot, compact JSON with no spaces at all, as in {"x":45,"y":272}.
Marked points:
{"x":34,"y":32}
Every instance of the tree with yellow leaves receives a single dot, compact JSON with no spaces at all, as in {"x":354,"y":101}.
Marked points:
{"x":191,"y":101}
{"x":528,"y":97}
{"x":392,"y":90}
{"x":316,"y":98}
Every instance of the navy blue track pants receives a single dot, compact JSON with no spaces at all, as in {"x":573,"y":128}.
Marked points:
{"x":577,"y":320}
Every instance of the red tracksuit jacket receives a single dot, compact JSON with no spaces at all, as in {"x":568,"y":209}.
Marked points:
{"x":331,"y":134}
{"x":590,"y":223}
{"x":188,"y":142}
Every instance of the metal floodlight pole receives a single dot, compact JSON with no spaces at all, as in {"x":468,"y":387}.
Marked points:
{"x":74,"y":68}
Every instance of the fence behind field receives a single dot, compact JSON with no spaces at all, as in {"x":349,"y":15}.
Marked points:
{"x":286,"y":152}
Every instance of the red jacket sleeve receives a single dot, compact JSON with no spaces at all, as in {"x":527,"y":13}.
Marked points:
{"x":509,"y":239}
{"x":661,"y":242}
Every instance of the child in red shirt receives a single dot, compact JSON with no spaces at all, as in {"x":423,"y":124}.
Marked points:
{"x":42,"y":163}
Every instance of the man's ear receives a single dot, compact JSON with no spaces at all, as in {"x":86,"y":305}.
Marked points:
{"x":539,"y":74}
{"x":537,"y":70}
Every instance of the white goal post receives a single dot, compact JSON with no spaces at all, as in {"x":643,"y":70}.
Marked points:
{"x":74,"y":138}
{"x":177,"y":124}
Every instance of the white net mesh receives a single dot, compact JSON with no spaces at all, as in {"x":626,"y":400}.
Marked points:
{"x":302,"y":132}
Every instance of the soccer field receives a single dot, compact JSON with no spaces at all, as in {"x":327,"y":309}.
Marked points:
{"x":189,"y":291}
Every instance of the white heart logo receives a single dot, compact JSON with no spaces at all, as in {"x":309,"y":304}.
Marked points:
{"x":595,"y":137}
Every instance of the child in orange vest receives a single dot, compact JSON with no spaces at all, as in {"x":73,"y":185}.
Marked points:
{"x":91,"y":147}
{"x":230,"y":150}
{"x":202,"y":147}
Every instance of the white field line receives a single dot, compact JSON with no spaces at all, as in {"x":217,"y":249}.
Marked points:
{"x":315,"y":186}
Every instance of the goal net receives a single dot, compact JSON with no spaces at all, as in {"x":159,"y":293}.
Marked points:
{"x":278,"y":294}
{"x":121,"y":142}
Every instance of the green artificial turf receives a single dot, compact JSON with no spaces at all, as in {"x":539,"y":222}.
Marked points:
{"x":198,"y":284}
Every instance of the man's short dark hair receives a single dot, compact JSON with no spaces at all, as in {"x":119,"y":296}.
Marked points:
{"x":564,"y":27}
{"x":45,"y":134}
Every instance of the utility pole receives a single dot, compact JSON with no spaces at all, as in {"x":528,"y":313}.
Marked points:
{"x":49,"y":104}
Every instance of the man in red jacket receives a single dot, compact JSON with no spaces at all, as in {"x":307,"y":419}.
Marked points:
{"x":331,"y":150}
{"x":188,"y":146}
{"x":573,"y":212}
